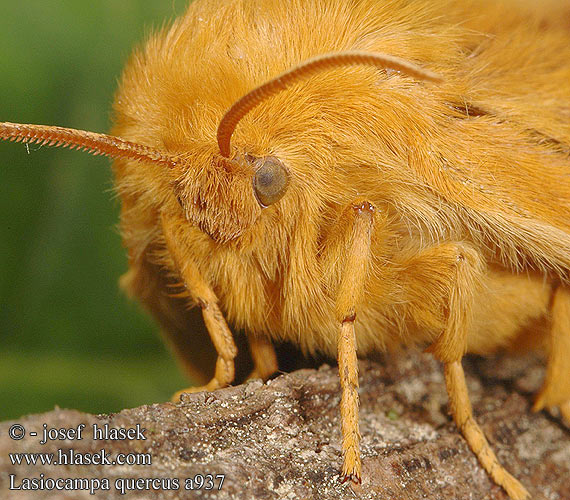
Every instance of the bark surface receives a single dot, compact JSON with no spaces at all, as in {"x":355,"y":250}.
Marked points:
{"x":281,"y":440}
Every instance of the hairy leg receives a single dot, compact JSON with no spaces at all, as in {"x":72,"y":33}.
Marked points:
{"x":460,"y":270}
{"x":556,"y":388}
{"x":264,"y":357}
{"x":204,"y":296}
{"x":359,"y":227}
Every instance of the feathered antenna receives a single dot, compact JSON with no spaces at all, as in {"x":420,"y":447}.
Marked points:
{"x":91,"y":142}
{"x":304,"y":70}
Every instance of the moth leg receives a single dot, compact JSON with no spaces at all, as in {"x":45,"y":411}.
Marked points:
{"x":450,"y":347}
{"x":462,"y":412}
{"x":350,"y":291}
{"x":556,"y":388}
{"x":264,"y":357}
{"x":565,"y":411}
{"x":206,"y":299}
{"x":463,"y":269}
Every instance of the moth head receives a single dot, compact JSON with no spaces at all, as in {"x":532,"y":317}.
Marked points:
{"x":225,"y":192}
{"x":226,"y":196}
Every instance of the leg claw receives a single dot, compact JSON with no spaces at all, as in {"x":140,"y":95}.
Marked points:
{"x":211,"y":386}
{"x":353,"y":478}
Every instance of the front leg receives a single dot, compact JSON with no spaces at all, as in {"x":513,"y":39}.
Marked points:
{"x":360,"y":218}
{"x":205,"y":297}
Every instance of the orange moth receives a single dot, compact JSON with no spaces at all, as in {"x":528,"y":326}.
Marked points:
{"x":350,"y":176}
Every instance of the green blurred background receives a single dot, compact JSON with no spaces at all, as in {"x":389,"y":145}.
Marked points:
{"x":68,"y":336}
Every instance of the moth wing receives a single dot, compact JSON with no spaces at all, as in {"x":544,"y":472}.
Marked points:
{"x":181,"y":327}
{"x":494,"y":155}
{"x":508,"y":183}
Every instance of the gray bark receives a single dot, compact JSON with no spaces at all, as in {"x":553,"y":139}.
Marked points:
{"x":281,"y":440}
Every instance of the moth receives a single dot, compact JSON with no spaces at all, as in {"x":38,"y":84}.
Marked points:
{"x":350,"y":176}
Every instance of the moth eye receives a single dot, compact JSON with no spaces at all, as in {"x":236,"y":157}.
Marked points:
{"x":270,"y":181}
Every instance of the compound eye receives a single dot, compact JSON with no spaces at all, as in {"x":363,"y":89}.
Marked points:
{"x":270,"y":181}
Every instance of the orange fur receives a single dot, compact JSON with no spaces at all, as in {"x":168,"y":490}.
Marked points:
{"x":469,"y":178}
{"x":479,"y":158}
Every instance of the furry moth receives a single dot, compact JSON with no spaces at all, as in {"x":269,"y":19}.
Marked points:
{"x":350,"y":176}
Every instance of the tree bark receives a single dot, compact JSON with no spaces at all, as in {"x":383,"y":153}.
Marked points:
{"x":281,"y":440}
